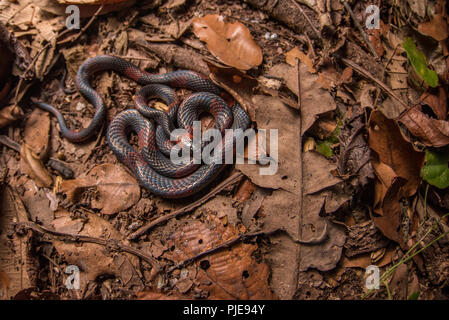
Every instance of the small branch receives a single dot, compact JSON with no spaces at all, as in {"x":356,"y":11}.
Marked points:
{"x":88,"y":24}
{"x":307,"y":18}
{"x":368,"y":75}
{"x":110,"y":244}
{"x":358,"y":26}
{"x":231,"y":180}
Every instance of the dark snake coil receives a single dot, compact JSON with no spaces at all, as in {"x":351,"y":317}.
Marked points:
{"x":151,"y":163}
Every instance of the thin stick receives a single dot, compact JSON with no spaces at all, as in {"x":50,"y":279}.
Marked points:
{"x":232,"y":179}
{"x":368,"y":75}
{"x":88,"y":24}
{"x":358,"y":26}
{"x":307,"y":18}
{"x":111,"y":244}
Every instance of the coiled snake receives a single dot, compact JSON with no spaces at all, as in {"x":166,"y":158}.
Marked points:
{"x":151,"y":163}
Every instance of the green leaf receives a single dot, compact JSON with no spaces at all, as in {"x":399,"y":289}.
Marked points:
{"x":324,"y":147}
{"x":435,"y":171}
{"x":419,"y":63}
{"x":414,"y":296}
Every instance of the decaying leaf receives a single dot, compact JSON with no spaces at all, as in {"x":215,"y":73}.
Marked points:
{"x":227,"y":274}
{"x":295,"y":53}
{"x":271,"y":114}
{"x":116,"y":190}
{"x":430,"y":131}
{"x":231,"y":43}
{"x":314,"y":100}
{"x":92,"y":259}
{"x":354,"y":158}
{"x":33,"y":166}
{"x":386,"y":140}
{"x":15,"y":266}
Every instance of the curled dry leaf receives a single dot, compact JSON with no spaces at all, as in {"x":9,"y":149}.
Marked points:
{"x":386,"y":140}
{"x":231,"y":43}
{"x":430,"y":131}
{"x":37,"y":132}
{"x":233,"y":273}
{"x":10,"y":114}
{"x":387,"y":207}
{"x":116,"y":189}
{"x":33,"y":167}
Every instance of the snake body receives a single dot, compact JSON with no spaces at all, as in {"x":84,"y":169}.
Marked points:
{"x":150,"y":163}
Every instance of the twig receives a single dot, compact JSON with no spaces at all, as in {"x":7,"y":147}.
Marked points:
{"x":78,"y":35}
{"x":358,"y":26}
{"x":47,"y":46}
{"x":368,"y":75}
{"x":109,"y":243}
{"x":307,"y":18}
{"x":232,"y":179}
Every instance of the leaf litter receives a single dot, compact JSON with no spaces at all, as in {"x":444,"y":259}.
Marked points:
{"x":363,"y":145}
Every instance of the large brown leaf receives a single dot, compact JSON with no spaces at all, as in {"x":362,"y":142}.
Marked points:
{"x":231,"y":43}
{"x":233,"y":273}
{"x":386,"y":140}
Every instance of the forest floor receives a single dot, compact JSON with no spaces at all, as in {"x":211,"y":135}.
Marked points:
{"x":360,"y":109}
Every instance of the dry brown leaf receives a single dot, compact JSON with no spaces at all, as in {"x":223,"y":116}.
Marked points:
{"x":10,"y":114}
{"x":227,"y":274}
{"x":272,"y":114}
{"x":245,"y":190}
{"x":116,"y":189}
{"x":431,"y":132}
{"x":37,"y":132}
{"x":231,"y":43}
{"x":387,"y":205}
{"x":15,"y":269}
{"x":93,"y":259}
{"x":33,"y":167}
{"x":314,"y":100}
{"x":386,"y":140}
{"x":290,"y":58}
{"x":437,"y":27}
